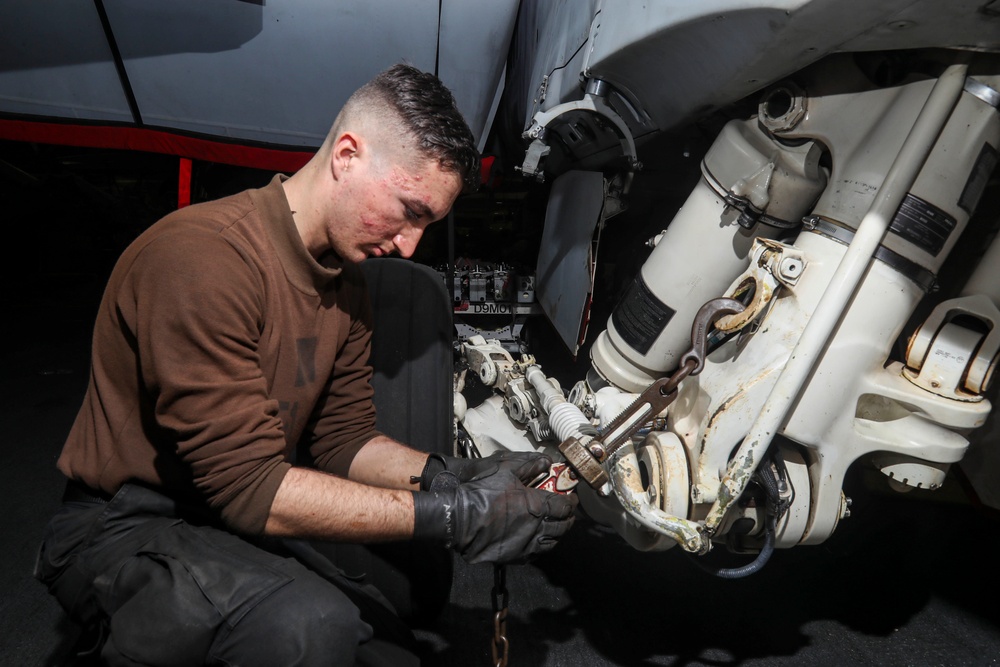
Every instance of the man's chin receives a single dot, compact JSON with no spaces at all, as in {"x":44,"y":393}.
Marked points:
{"x":355,"y":255}
{"x":377,"y":252}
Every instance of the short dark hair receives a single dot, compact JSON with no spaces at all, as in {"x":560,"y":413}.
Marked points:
{"x":428,"y":110}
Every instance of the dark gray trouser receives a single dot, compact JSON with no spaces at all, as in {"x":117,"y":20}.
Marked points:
{"x":173,"y":592}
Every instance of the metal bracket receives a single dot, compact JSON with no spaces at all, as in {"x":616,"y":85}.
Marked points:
{"x":772,"y":265}
{"x":943,"y":353}
{"x":594,"y":101}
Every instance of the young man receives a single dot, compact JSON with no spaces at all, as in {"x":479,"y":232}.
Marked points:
{"x":229,"y":333}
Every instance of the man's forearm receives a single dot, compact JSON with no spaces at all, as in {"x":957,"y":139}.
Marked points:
{"x":387,"y":463}
{"x":315,"y":505}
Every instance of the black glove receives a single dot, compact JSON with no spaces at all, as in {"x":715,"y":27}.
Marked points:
{"x":494,"y":520}
{"x":526,"y":466}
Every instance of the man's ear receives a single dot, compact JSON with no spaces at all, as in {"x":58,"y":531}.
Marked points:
{"x":345,"y":149}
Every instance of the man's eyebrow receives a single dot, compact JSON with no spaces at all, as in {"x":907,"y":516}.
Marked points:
{"x":419,"y":207}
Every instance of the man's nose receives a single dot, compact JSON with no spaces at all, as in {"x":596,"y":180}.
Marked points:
{"x":406,"y":241}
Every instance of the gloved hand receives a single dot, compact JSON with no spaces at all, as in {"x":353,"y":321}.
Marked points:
{"x":526,"y":466}
{"x":495,"y":519}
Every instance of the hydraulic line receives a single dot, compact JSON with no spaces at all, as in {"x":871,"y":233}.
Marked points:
{"x":774,"y":510}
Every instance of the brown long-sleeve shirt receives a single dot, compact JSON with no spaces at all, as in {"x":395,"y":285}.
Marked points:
{"x":219,"y":345}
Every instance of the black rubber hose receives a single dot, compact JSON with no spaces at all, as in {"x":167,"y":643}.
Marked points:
{"x":750,"y":568}
{"x":765,"y":477}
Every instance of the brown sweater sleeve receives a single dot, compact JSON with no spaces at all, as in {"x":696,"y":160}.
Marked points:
{"x":345,"y":419}
{"x":195,"y":307}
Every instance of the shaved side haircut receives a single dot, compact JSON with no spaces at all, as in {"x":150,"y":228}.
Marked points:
{"x":412,"y":111}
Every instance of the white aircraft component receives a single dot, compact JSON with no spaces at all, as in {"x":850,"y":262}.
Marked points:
{"x":829,"y":215}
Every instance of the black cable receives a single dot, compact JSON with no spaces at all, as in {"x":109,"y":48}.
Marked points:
{"x":750,"y":568}
{"x":775,"y":508}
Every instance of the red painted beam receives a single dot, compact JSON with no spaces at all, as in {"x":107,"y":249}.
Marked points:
{"x":154,"y":141}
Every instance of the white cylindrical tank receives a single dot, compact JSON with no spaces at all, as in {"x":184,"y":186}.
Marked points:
{"x":750,"y":187}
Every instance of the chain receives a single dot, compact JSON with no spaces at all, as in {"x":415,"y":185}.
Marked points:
{"x":501,"y":598}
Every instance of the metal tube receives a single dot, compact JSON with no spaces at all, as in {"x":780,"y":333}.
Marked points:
{"x":850,"y":271}
{"x":565,"y":419}
{"x":636,"y":503}
{"x":547,"y":394}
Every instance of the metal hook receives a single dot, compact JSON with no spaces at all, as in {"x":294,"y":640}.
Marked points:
{"x":706,"y":318}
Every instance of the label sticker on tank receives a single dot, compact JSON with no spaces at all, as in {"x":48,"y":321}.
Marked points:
{"x":640,"y":316}
{"x":980,"y":175}
{"x":922,"y":224}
